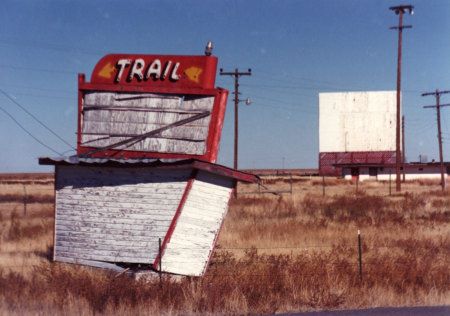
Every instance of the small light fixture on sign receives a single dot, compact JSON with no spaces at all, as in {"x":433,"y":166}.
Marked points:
{"x":208,"y":49}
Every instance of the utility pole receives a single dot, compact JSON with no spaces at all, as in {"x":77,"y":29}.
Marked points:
{"x":403,"y":147}
{"x":438,"y":106}
{"x":236,"y":74}
{"x":399,"y":10}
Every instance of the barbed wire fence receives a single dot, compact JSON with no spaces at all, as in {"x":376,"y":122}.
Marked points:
{"x":358,"y":263}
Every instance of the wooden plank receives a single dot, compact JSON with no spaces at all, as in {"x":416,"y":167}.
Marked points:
{"x":116,"y":198}
{"x":66,"y":241}
{"x":120,"y":226}
{"x":67,"y":246}
{"x":94,"y":119}
{"x":117,"y":219}
{"x":100,"y":250}
{"x":112,"y":214}
{"x":190,"y":224}
{"x":151,"y":235}
{"x":208,"y":220}
{"x":88,"y":181}
{"x":98,"y":257}
{"x":214,"y":191}
{"x":196,"y":241}
{"x":96,"y":215}
{"x":99,"y":236}
{"x":195,"y":256}
{"x":182,"y":268}
{"x":198,"y":225}
{"x":132,"y":122}
{"x":101,"y":230}
{"x":139,"y":191}
{"x":205,"y":209}
{"x":92,"y":263}
{"x":157,"y":144}
{"x":64,"y":200}
{"x":148,"y":100}
{"x":147,"y":211}
{"x":204,"y":206}
{"x":141,"y":137}
{"x":135,"y":213}
{"x":93,"y":129}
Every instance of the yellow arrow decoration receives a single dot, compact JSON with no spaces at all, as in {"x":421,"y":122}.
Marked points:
{"x":193,"y":73}
{"x":107,"y":71}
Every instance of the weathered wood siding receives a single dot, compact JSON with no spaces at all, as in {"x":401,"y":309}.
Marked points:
{"x":114,"y":214}
{"x":199,"y":223}
{"x":109,"y":118}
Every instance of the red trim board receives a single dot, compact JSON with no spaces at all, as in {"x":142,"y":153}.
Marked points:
{"x":175,"y":219}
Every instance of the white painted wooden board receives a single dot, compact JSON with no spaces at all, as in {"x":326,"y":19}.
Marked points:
{"x":192,"y":241}
{"x":357,"y":121}
{"x":114,"y":214}
{"x":107,"y":113}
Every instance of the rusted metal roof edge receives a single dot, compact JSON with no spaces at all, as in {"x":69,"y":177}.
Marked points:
{"x":153,"y":163}
{"x":225,"y":171}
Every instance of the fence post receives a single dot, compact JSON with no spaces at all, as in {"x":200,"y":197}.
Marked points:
{"x":360,"y":255}
{"x":24,"y":199}
{"x":390,"y":183}
{"x":291,"y":182}
{"x":160,"y":261}
{"x":323,"y":186}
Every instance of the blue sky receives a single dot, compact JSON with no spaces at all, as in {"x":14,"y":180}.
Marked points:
{"x":295,"y":49}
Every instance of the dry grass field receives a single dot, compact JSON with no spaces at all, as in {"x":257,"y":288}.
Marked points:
{"x":276,"y":253}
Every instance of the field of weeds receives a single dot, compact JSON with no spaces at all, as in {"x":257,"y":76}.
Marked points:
{"x":277,"y":252}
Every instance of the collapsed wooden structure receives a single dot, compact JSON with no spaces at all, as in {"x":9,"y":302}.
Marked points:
{"x":144,"y":188}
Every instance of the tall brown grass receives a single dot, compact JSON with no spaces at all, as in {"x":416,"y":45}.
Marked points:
{"x":275,"y":254}
{"x":43,"y":198}
{"x":252,"y":284}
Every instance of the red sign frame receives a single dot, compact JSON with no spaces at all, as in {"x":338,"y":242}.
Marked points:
{"x":190,"y":81}
{"x":171,"y":71}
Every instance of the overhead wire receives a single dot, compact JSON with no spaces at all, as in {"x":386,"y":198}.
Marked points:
{"x":286,"y":108}
{"x":48,"y":46}
{"x":321,"y":83}
{"x":35,"y":88}
{"x":48,"y":96}
{"x":35,"y":118}
{"x":290,"y":110}
{"x":271,"y":75}
{"x":28,"y":132}
{"x":38,"y":69}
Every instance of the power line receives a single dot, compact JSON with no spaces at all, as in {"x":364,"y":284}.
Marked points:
{"x":275,"y":90}
{"x":48,"y":46}
{"x":35,"y":118}
{"x":47,"y":96}
{"x":321,"y":84}
{"x":36,"y":88}
{"x":29,"y":133}
{"x":286,"y":110}
{"x":282,"y":87}
{"x":38,"y":69}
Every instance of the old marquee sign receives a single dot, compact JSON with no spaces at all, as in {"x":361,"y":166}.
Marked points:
{"x":139,"y":106}
{"x":144,"y":188}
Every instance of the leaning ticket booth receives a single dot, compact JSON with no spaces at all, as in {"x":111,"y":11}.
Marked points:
{"x":144,"y":188}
